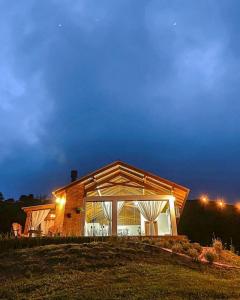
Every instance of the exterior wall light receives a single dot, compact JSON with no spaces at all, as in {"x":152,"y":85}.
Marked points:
{"x":61,"y":201}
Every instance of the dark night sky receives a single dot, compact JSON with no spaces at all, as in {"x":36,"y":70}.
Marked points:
{"x":152,"y":83}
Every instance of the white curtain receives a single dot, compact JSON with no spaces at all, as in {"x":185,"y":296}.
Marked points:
{"x":151,"y":211}
{"x":107,"y":209}
{"x":38,"y":216}
{"x":120,"y":206}
{"x":45,"y":225}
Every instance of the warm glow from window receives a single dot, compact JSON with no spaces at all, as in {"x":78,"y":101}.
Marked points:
{"x":52,"y":216}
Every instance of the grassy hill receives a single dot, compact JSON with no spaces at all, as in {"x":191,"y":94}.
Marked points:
{"x":110,"y":270}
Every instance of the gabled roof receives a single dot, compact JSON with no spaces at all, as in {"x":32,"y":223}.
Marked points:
{"x":119,"y":168}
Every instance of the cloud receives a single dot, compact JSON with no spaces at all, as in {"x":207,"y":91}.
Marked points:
{"x":25,"y":105}
{"x":116,"y":81}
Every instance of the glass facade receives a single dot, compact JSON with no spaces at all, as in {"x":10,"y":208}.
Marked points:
{"x":98,"y":218}
{"x":129,"y":220}
{"x":147,"y":218}
{"x":134,"y":218}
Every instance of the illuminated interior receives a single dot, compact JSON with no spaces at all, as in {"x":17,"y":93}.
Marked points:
{"x":98,"y":219}
{"x":134,"y":218}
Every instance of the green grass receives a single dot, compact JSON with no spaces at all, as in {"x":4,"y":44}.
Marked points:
{"x":110,"y":270}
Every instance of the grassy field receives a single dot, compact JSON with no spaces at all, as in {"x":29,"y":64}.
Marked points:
{"x":110,"y":270}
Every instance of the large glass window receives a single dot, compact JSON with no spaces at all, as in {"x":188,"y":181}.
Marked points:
{"x":134,"y":218}
{"x":129,"y":220}
{"x":98,"y":218}
{"x":149,"y":218}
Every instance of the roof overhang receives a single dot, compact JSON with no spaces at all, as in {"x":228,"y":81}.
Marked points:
{"x":39,"y":207}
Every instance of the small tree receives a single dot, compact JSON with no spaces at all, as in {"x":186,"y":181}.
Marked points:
{"x":177,"y":248}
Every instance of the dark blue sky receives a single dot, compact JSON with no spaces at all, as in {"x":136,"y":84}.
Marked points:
{"x":152,"y":83}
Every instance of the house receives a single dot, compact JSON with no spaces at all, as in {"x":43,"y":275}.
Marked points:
{"x":118,"y":199}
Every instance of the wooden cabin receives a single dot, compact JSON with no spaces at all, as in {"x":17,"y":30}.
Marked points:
{"x":117,"y":199}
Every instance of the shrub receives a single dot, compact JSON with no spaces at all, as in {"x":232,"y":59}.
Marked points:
{"x":210,"y":256}
{"x":197,"y":247}
{"x":153,"y":242}
{"x":184,"y":240}
{"x":164,"y":244}
{"x":177,"y":248}
{"x":28,"y":274}
{"x":194,"y":254}
{"x":171,"y":242}
{"x":186,"y":247}
{"x":217,"y":246}
{"x":146,"y":241}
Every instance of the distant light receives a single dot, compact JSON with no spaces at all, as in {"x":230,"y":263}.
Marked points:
{"x":221,"y":204}
{"x":52,"y":216}
{"x":60,"y":25}
{"x":204,"y":199}
{"x":237,"y":205}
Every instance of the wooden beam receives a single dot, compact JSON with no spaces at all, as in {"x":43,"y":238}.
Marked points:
{"x":39,"y":207}
{"x":110,"y":176}
{"x":97,"y":182}
{"x":114,"y":218}
{"x":121,"y":184}
{"x":147,"y":184}
{"x":173,"y":217}
{"x":128,"y":198}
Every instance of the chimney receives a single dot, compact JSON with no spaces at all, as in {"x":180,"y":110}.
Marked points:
{"x":74,"y":175}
